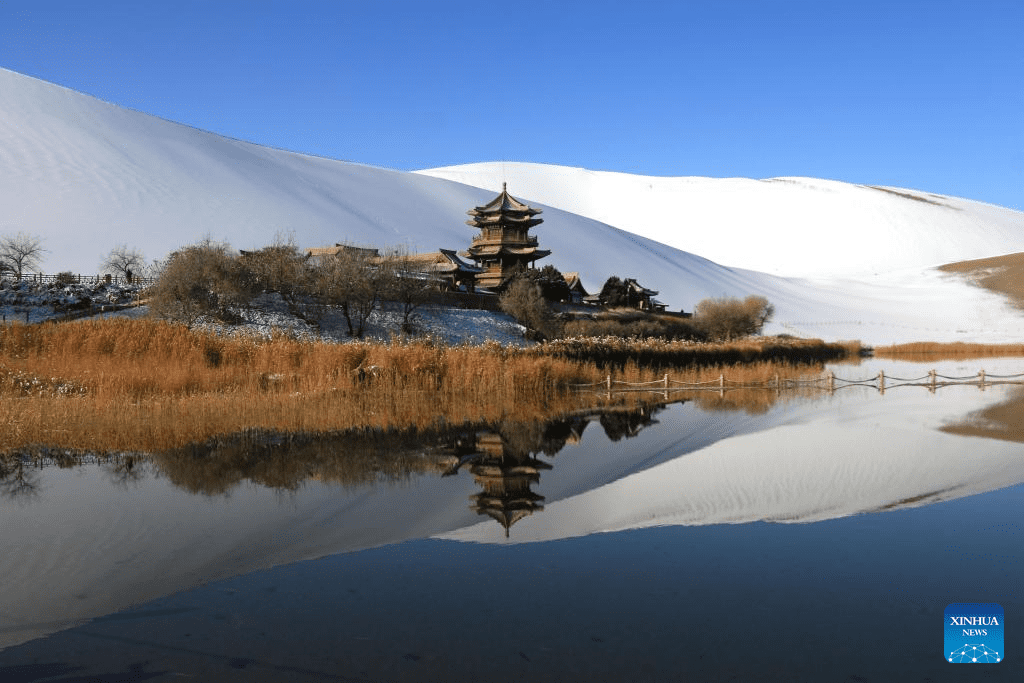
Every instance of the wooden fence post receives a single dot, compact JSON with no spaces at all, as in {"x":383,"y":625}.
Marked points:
{"x":931,"y":374}
{"x":881,"y":381}
{"x":609,"y":382}
{"x":981,"y":376}
{"x":831,"y":382}
{"x":666,"y":380}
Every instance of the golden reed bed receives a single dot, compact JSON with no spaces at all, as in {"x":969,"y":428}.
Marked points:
{"x":142,"y":385}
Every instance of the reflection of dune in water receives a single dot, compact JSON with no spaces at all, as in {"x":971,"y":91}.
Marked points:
{"x":880,"y":455}
{"x":117,"y":534}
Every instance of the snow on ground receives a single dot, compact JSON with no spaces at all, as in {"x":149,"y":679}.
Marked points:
{"x":33,"y":302}
{"x":25,"y":301}
{"x":86,"y":175}
{"x":442,"y":323}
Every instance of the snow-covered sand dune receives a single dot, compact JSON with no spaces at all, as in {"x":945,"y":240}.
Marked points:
{"x":87,"y":175}
{"x":801,"y":227}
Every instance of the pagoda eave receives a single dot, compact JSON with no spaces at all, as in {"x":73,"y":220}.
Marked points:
{"x":503,"y":221}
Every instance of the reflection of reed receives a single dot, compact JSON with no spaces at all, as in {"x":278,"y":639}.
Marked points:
{"x":357,"y":457}
{"x":932,"y":352}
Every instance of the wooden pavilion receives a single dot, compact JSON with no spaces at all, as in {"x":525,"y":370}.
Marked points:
{"x":504,"y":243}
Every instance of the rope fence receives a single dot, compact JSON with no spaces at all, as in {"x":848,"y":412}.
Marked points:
{"x":79,"y":279}
{"x":827,"y":382}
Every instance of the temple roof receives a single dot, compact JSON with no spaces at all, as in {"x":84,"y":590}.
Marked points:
{"x":497,"y":249}
{"x":639,"y":288}
{"x":504,"y":209}
{"x":505,"y":203}
{"x":574,"y":283}
{"x":440,"y":261}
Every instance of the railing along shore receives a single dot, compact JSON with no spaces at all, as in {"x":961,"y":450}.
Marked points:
{"x":826,"y":382}
{"x":78,"y":279}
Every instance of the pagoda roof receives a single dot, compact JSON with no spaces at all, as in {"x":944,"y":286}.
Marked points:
{"x":504,"y":203}
{"x":491,"y":220}
{"x":496,"y":249}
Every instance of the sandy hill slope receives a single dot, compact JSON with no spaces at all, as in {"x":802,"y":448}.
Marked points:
{"x":87,"y":175}
{"x":784,"y":226}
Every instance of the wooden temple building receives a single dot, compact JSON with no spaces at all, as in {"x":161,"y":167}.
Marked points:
{"x":504,"y":243}
{"x":443,"y":267}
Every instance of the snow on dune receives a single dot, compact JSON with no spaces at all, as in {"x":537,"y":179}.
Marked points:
{"x":87,"y":175}
{"x":785,"y":226}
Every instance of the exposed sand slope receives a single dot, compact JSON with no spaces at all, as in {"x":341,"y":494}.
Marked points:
{"x":1003,"y":274}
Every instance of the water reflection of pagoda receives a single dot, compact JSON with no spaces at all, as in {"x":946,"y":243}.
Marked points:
{"x":505,"y":479}
{"x":504,"y":458}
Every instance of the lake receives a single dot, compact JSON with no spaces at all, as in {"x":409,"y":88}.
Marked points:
{"x":795,"y":538}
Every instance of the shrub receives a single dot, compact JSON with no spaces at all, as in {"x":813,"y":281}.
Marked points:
{"x":549,"y":279}
{"x":284,"y":269}
{"x":65,"y":278}
{"x":730,"y":318}
{"x":204,"y":279}
{"x":524,"y":301}
{"x":635,"y":325}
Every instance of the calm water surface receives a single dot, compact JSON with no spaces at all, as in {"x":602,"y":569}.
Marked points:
{"x":816,"y":538}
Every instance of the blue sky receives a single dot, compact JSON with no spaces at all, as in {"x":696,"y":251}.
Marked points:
{"x":925,"y":95}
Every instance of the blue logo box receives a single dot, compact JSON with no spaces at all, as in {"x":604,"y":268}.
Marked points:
{"x":973,"y":633}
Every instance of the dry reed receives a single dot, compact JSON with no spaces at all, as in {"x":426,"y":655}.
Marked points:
{"x":139,"y":385}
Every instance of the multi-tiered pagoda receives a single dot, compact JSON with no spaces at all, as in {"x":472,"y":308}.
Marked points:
{"x":504,"y":244}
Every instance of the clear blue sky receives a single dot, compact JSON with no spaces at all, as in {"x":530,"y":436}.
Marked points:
{"x":926,"y":95}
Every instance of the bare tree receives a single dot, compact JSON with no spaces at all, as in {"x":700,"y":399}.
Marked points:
{"x":124,"y":261}
{"x":355,"y":281}
{"x":410,"y":286}
{"x":283,"y":268}
{"x":17,"y":481}
{"x":21,"y":252}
